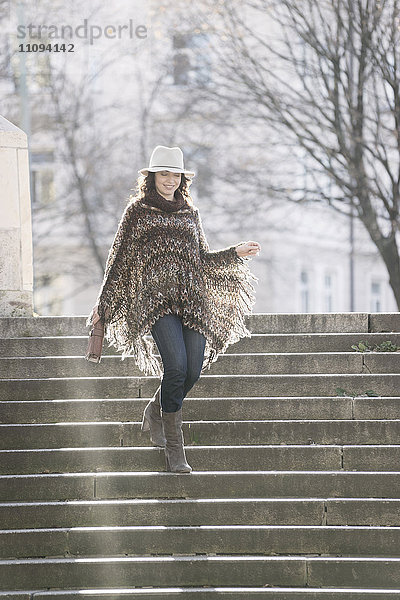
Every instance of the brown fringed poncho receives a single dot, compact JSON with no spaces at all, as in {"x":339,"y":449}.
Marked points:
{"x":159,"y":263}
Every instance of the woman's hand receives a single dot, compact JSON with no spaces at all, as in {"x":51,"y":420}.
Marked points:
{"x":248,"y":248}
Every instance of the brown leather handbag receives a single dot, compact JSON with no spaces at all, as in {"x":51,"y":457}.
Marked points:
{"x":95,"y":343}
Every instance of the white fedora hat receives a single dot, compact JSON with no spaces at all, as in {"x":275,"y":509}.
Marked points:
{"x":166,"y":159}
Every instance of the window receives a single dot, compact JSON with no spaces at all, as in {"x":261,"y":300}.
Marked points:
{"x":376,"y":300}
{"x":304,"y":291}
{"x":199,"y":159}
{"x":42,"y":178}
{"x":192,"y":63}
{"x":181,"y":69}
{"x":42,"y":78}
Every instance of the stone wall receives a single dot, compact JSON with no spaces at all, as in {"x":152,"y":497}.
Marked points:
{"x":16,"y":260}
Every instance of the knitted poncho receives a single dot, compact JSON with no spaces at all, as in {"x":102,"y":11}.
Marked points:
{"x":160,"y":263}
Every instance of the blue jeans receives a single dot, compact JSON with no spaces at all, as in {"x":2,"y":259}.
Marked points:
{"x":182,"y":352}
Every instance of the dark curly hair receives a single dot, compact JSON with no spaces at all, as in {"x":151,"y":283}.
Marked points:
{"x":145,"y":183}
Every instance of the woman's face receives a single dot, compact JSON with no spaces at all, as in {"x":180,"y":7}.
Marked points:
{"x":167,"y":182}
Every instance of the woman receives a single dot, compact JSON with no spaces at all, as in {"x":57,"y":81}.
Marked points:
{"x":161,"y":277}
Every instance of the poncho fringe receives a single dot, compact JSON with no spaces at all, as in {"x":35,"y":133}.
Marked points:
{"x":160,"y":263}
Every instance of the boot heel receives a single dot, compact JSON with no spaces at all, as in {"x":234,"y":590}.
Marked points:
{"x":153,"y":423}
{"x":175,"y":451}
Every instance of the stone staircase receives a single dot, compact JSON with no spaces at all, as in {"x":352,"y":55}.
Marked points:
{"x":295,"y":492}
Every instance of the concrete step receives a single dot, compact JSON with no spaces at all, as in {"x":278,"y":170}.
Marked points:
{"x":240,"y":408}
{"x":204,"y":433}
{"x":299,"y":571}
{"x":125,"y":409}
{"x":199,"y":484}
{"x":92,"y":513}
{"x":264,"y":322}
{"x":258,"y":323}
{"x":259,"y":342}
{"x":185,"y":512}
{"x":203,"y":458}
{"x":205,"y":539}
{"x":209,"y":593}
{"x":233,"y":458}
{"x":229,"y":364}
{"x":207,"y":386}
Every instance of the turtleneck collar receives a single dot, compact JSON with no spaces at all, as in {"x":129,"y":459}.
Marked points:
{"x":153,"y":198}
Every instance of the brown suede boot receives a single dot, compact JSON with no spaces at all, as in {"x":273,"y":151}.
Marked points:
{"x":152,"y":421}
{"x":175,"y":458}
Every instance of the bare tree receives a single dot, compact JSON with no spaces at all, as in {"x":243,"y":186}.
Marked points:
{"x":93,"y":132}
{"x":325,"y":78}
